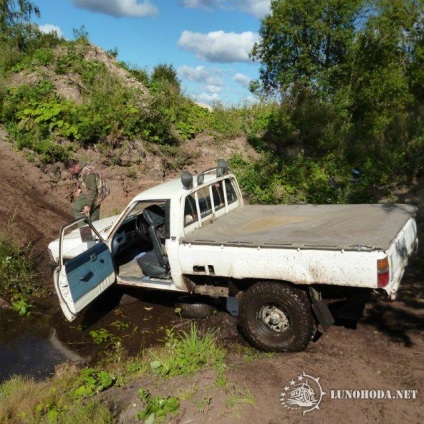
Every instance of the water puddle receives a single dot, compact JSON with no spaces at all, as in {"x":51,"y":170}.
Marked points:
{"x":29,"y":346}
{"x":35,"y":344}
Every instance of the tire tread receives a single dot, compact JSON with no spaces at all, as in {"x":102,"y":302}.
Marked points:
{"x":292,"y":298}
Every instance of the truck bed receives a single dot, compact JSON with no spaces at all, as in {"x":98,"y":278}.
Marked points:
{"x":348,"y":227}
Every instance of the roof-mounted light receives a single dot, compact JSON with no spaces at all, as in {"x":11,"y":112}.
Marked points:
{"x":187,"y":180}
{"x":222,"y":168}
{"x":200,"y":179}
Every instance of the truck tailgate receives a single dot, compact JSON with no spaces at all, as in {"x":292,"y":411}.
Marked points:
{"x":348,"y":227}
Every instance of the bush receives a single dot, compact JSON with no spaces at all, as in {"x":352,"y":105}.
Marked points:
{"x":275,"y":179}
{"x":164,"y":78}
{"x":18,"y":279}
{"x":9,"y":57}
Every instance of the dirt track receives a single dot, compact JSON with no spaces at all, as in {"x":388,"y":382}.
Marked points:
{"x":375,"y":345}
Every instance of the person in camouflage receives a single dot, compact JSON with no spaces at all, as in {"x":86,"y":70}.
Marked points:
{"x":92,"y":189}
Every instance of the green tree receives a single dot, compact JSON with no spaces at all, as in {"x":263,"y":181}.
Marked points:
{"x":307,"y":44}
{"x":165,"y":75}
{"x":381,"y":77}
{"x":387,"y":87}
{"x":13,"y":12}
{"x":350,"y":77}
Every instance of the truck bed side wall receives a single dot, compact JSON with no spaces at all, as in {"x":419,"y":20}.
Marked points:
{"x":299,"y":266}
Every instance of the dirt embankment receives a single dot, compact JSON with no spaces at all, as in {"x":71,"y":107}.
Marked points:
{"x":375,"y":349}
{"x":29,"y":208}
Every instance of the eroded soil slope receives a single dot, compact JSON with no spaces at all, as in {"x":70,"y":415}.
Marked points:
{"x":29,"y":207}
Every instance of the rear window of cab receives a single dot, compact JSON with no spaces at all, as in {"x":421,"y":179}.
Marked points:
{"x":210,"y":199}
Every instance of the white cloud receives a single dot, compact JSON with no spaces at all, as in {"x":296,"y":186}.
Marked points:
{"x":208,"y":98}
{"x":219,"y":46}
{"x":200,"y":4}
{"x":198,"y":74}
{"x":214,"y":89}
{"x":242,"y":79}
{"x":118,"y":8}
{"x":49,"y":28}
{"x":257,"y":8}
{"x":210,"y":82}
{"x":201,"y":75}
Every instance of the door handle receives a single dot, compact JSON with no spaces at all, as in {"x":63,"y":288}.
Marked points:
{"x":87,"y":276}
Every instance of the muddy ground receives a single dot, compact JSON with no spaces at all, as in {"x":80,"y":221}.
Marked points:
{"x":375,"y":345}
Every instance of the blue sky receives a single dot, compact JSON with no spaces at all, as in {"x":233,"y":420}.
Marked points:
{"x":207,"y":41}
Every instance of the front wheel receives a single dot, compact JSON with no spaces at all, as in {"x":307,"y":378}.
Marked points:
{"x":276,"y":317}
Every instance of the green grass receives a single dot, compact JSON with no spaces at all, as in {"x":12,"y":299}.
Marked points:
{"x":187,"y":352}
{"x":156,"y":408}
{"x":26,"y":401}
{"x":18,"y":279}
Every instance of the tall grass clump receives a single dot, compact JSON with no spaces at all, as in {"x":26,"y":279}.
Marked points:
{"x":226,"y":121}
{"x":187,"y":352}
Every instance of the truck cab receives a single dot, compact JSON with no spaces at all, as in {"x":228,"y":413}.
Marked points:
{"x":139,"y":247}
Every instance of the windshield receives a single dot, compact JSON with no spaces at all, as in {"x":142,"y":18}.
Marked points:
{"x":139,"y":207}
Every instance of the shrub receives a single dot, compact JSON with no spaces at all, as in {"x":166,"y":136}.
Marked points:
{"x":18,"y":279}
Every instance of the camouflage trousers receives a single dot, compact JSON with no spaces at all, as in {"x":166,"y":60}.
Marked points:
{"x":79,"y":203}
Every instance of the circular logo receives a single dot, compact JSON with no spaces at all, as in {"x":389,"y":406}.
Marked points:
{"x":304,"y":393}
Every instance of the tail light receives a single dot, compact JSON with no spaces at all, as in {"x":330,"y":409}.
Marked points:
{"x":383,"y":272}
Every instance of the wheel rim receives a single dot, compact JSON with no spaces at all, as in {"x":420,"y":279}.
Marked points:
{"x":273,"y":319}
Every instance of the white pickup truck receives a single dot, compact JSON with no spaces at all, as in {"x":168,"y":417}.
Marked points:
{"x":195,"y":235}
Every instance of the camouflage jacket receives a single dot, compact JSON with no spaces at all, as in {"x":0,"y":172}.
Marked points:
{"x":95,"y":195}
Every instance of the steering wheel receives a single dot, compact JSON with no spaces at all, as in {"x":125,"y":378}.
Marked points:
{"x":142,"y":227}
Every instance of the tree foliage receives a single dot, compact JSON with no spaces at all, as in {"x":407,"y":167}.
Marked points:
{"x":13,"y":12}
{"x":165,"y":76}
{"x":350,"y":79}
{"x":307,"y":44}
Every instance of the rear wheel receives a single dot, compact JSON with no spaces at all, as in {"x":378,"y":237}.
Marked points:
{"x":276,"y":317}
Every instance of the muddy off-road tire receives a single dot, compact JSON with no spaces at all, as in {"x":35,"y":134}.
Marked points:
{"x":276,"y":317}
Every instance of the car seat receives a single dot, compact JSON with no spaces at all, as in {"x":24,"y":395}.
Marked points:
{"x":154,"y":263}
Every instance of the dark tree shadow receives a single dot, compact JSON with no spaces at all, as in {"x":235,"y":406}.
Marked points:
{"x":348,"y":312}
{"x":398,"y":319}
